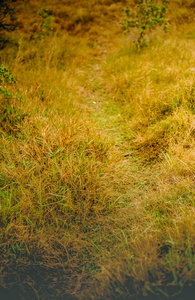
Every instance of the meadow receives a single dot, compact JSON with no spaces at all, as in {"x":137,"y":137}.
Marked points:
{"x":97,"y":153}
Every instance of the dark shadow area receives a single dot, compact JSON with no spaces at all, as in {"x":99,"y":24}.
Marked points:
{"x":34,"y":284}
{"x":45,"y":288}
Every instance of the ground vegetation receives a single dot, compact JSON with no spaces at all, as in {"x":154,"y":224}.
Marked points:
{"x":97,"y":157}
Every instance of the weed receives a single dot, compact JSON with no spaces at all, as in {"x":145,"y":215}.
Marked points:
{"x":6,"y":76}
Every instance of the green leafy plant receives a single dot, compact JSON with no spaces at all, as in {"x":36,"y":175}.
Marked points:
{"x":149,"y":15}
{"x":6,"y":76}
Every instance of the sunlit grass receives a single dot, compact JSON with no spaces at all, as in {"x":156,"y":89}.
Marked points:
{"x":97,"y":159}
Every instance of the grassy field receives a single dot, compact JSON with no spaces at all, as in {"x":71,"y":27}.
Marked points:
{"x":97,"y":153}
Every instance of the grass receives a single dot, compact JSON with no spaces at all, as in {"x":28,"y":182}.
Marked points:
{"x":97,"y":155}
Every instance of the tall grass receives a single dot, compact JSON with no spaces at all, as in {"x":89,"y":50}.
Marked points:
{"x":97,"y":160}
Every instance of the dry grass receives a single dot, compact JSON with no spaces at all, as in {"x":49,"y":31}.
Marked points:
{"x":97,"y":154}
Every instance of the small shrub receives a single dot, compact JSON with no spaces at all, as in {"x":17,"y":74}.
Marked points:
{"x":46,"y":18}
{"x":149,"y":15}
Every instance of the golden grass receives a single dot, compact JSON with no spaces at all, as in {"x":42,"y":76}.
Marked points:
{"x":97,"y":155}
